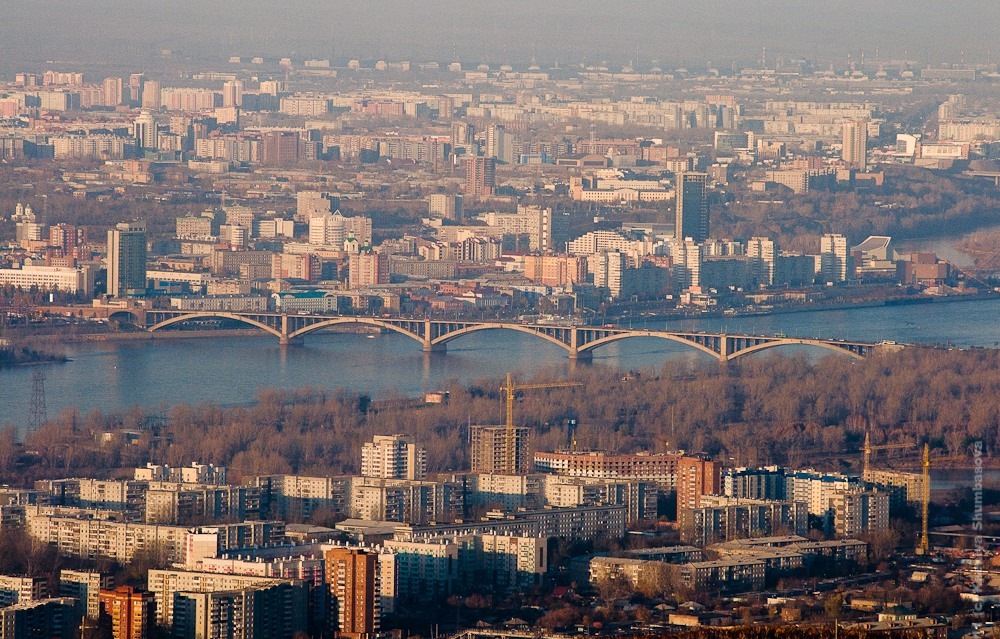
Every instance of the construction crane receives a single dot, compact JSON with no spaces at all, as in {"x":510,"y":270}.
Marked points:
{"x":509,"y":389}
{"x":869,"y":449}
{"x":925,"y":504}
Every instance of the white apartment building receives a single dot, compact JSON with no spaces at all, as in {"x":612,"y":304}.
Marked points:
{"x":393,"y":457}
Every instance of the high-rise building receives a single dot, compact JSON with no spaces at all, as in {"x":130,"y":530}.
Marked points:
{"x":232,"y":93}
{"x":697,"y":476}
{"x":352,"y":576}
{"x":86,"y":588}
{"x":500,"y":144}
{"x":855,"y":148}
{"x":280,"y":148}
{"x":608,"y":267}
{"x":367,"y":268}
{"x":132,"y":612}
{"x":762,"y":252}
{"x":144,"y":131}
{"x":691,"y":201}
{"x":135,"y":82}
{"x":66,"y":238}
{"x":489,"y":448}
{"x":393,"y":457}
{"x":49,"y":618}
{"x":833,"y":257}
{"x":127,"y":259}
{"x":111,"y":91}
{"x":270,"y":610}
{"x":445,"y":206}
{"x":480,"y":176}
{"x":151,"y":95}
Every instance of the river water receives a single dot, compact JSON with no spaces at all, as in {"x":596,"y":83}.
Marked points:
{"x":230,"y":370}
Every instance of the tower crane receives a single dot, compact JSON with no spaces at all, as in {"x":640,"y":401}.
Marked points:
{"x":509,"y":389}
{"x":869,"y":449}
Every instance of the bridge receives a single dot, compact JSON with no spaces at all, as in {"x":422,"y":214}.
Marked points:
{"x":434,"y":335}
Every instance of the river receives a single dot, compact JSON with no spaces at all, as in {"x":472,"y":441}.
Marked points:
{"x":230,"y":370}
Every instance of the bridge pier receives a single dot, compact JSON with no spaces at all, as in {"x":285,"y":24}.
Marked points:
{"x":284,"y":340}
{"x":435,"y":348}
{"x":577,"y":355}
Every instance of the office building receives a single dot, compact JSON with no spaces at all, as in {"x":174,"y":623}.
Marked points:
{"x":127,"y":259}
{"x":833,"y":258}
{"x":480,"y":176}
{"x":132,"y":612}
{"x":855,"y":145}
{"x":691,"y":203}
{"x":495,"y":450}
{"x":393,"y":457}
{"x":71,"y":280}
{"x":333,"y":230}
{"x":352,"y":576}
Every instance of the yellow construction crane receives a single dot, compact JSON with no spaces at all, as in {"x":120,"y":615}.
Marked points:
{"x":509,"y":389}
{"x":925,"y":504}
{"x":869,"y":449}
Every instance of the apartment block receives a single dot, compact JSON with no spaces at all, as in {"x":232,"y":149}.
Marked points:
{"x":132,"y":612}
{"x":85,"y":587}
{"x":393,"y":457}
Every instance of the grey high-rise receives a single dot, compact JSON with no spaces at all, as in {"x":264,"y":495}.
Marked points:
{"x":127,"y":259}
{"x":692,"y":206}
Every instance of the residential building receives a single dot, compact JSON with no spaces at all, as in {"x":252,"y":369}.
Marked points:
{"x":48,"y":618}
{"x":393,"y":457}
{"x":855,"y":145}
{"x":697,"y":476}
{"x":166,"y":584}
{"x":15,"y":590}
{"x":480,"y":176}
{"x":833,"y":258}
{"x":497,"y":449}
{"x":85,"y":587}
{"x":367,"y":268}
{"x":132,"y":612}
{"x":277,"y":610}
{"x":352,"y":577}
{"x":660,"y":468}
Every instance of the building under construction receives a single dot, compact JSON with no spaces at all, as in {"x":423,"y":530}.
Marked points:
{"x":493,"y":448}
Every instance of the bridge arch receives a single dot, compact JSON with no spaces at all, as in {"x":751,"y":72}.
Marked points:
{"x":444,"y":339}
{"x":597,"y":343}
{"x":214,"y":315}
{"x":370,"y":321}
{"x":791,"y":341}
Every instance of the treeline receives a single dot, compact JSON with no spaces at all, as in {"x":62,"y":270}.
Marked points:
{"x":912,"y":203}
{"x":762,"y":410}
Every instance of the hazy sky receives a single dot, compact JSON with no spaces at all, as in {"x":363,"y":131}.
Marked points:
{"x":498,"y":31}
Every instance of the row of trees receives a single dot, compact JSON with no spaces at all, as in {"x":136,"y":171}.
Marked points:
{"x":784,"y":410}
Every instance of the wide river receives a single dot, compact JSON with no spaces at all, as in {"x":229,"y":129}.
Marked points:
{"x":230,"y":370}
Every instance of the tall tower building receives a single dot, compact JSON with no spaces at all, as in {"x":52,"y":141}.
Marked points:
{"x":151,"y":95}
{"x":691,"y":202}
{"x":232,"y":93}
{"x":762,"y":252}
{"x":480,"y":176}
{"x":127,"y":259}
{"x":833,"y":257}
{"x":352,"y":576}
{"x":488,"y":450}
{"x":144,"y":131}
{"x":855,"y":151}
{"x":135,"y":82}
{"x":132,"y":612}
{"x":393,"y":457}
{"x":697,"y":476}
{"x":111,"y":91}
{"x":279,"y":148}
